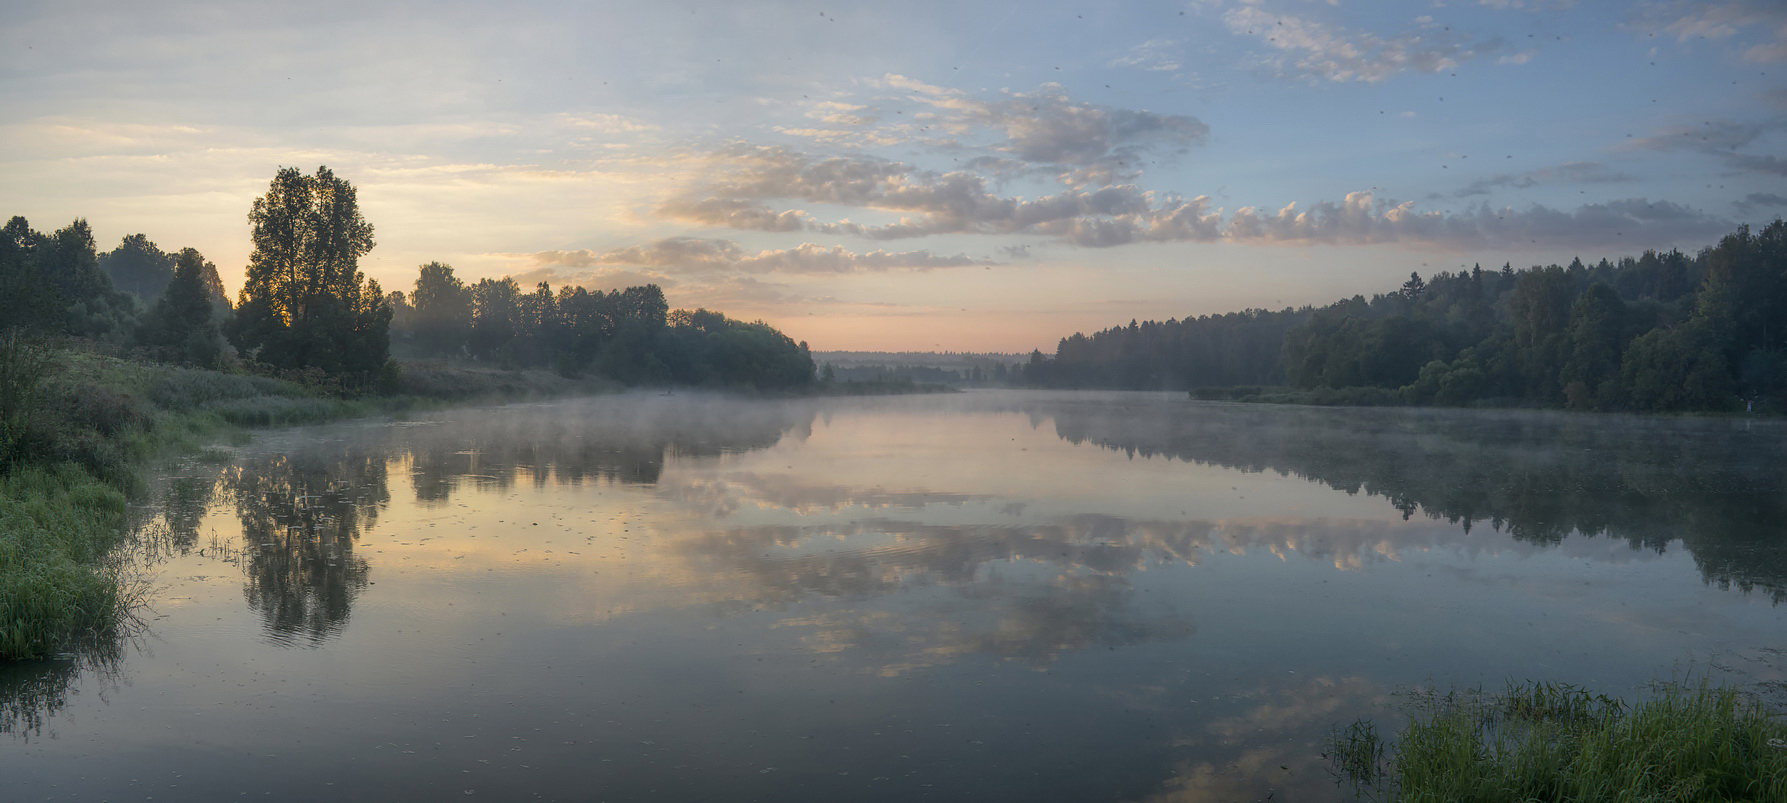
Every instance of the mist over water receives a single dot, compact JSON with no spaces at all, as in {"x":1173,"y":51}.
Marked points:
{"x":994,"y":595}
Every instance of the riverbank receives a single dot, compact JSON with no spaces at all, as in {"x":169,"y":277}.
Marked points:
{"x":78,"y":427}
{"x":1392,"y":397}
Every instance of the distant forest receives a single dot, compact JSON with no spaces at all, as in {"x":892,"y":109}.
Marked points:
{"x":306,"y":310}
{"x":1659,"y":332}
{"x":953,"y":368}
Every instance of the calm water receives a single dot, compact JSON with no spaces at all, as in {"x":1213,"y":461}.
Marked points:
{"x":983,"y":596}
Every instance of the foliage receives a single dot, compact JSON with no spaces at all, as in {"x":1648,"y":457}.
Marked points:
{"x":180,"y":327}
{"x":1240,"y":348}
{"x":627,"y":335}
{"x":56,"y":522}
{"x":442,"y":304}
{"x":1657,"y":333}
{"x":77,"y":425}
{"x":138,"y":266}
{"x":1540,"y":741}
{"x":24,"y":365}
{"x":304,"y":302}
{"x":51,"y":284}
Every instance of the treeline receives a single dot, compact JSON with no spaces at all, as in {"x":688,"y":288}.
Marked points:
{"x":993,"y":374}
{"x":1236,"y":348}
{"x":630,"y":335}
{"x":307,"y":311}
{"x":1659,"y":332}
{"x":57,"y":283}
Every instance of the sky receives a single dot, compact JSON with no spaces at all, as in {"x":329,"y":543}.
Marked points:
{"x":963,"y":176}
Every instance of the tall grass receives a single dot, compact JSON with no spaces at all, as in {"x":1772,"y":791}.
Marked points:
{"x":56,"y":525}
{"x":76,"y":426}
{"x":75,"y":429}
{"x":1540,"y":741}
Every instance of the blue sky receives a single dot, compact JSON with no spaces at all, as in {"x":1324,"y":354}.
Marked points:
{"x":949,"y":175}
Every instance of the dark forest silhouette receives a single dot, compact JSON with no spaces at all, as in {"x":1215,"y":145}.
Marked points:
{"x":306,"y":308}
{"x":1659,"y":332}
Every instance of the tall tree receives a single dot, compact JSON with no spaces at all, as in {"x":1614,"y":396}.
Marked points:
{"x":52,"y":283}
{"x":27,"y":299}
{"x":443,"y":310}
{"x":1592,"y":347}
{"x":181,"y":324}
{"x":305,"y":302}
{"x":138,"y":266}
{"x":496,"y":316}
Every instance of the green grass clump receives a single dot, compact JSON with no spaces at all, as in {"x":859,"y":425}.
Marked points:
{"x":76,"y":427}
{"x":56,"y":525}
{"x":1549,"y":742}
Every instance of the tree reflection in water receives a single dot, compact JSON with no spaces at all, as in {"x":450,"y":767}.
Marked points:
{"x":301,"y":516}
{"x":304,"y":512}
{"x":1716,"y":485}
{"x":1711,"y":486}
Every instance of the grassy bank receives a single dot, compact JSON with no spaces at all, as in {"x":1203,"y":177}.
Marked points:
{"x":1548,"y":742}
{"x":77,"y":429}
{"x":78,"y":426}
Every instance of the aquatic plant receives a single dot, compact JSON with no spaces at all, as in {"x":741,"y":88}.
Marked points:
{"x":1556,"y":742}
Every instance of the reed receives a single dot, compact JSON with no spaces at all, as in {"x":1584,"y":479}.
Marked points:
{"x":1555,"y":742}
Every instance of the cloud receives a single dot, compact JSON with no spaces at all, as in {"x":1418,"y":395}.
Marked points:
{"x":812,"y":258}
{"x":1048,"y":127}
{"x":959,"y":202}
{"x":1154,"y":55}
{"x":1363,"y":219}
{"x":1760,"y":201}
{"x":698,"y":255}
{"x":1528,"y":5}
{"x":748,"y":176}
{"x":608,"y":123}
{"x":1332,"y":53}
{"x":1045,"y":128}
{"x":1585,"y":172}
{"x":1690,"y":20}
{"x":733,"y":213}
{"x":1721,"y":139}
{"x":833,"y":112}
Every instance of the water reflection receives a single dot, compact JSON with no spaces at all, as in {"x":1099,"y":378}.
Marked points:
{"x":1714,"y":485}
{"x":623,"y":440}
{"x":723,"y":495}
{"x":1176,"y":582}
{"x":33,"y":692}
{"x":301,"y":517}
{"x":1535,"y":477}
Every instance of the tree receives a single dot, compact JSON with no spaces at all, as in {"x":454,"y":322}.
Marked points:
{"x":180,"y":325}
{"x":304,"y":302}
{"x":138,"y":266}
{"x":51,"y":283}
{"x":496,"y":316}
{"x":1592,"y":346}
{"x":27,"y":299}
{"x":443,"y":310}
{"x":1414,"y":287}
{"x":1676,"y":369}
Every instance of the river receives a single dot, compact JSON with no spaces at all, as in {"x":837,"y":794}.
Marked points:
{"x":992,"y":595}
